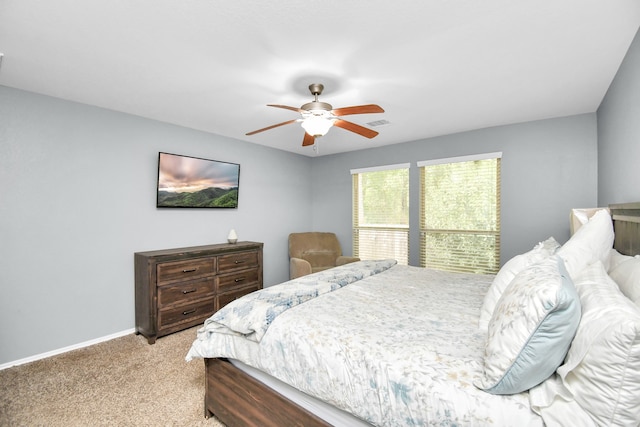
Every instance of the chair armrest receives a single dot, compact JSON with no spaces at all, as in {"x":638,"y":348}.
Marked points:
{"x":298,"y":267}
{"x":342,"y":260}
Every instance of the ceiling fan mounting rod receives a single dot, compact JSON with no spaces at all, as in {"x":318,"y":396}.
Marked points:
{"x":315,"y":106}
{"x":316,"y":89}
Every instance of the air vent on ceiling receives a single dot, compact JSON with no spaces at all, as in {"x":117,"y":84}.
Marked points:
{"x":379,"y":123}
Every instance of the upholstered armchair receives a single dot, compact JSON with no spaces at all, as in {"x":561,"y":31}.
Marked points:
{"x":314,"y":251}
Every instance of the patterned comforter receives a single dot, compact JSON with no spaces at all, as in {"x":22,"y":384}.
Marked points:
{"x":393,"y":345}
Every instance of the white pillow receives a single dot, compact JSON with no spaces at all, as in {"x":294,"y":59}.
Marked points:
{"x":508,"y":271}
{"x":602,"y":368}
{"x":531,"y":329}
{"x":592,"y":242}
{"x":579,"y":217}
{"x":556,"y":406}
{"x":627,"y":277}
{"x":615,"y":259}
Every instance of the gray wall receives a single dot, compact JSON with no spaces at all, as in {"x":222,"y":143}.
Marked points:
{"x":619,"y":134}
{"x":77,"y":199}
{"x":77,"y":188}
{"x":548,"y":167}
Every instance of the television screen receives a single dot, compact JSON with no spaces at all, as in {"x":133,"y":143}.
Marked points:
{"x":191,"y":182}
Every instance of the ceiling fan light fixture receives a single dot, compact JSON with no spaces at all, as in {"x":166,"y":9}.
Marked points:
{"x":316,"y":125}
{"x":318,"y":117}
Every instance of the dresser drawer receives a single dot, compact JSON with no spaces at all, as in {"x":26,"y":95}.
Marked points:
{"x":186,"y":313}
{"x":237,"y":261}
{"x":185,"y":270}
{"x":226,"y":298}
{"x":184,"y":292}
{"x":228,"y":282}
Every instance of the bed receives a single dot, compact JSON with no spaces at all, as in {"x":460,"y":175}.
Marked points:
{"x":375,"y":343}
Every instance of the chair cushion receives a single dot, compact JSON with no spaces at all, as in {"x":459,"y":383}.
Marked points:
{"x":312,"y":241}
{"x":320,"y":259}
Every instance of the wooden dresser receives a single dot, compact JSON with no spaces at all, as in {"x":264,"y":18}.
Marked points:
{"x":180,"y":288}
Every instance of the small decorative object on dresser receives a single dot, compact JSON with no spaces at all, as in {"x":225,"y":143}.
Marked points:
{"x":180,"y":288}
{"x":233,"y":237}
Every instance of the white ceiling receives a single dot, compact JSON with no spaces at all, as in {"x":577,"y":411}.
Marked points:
{"x":435,"y":66}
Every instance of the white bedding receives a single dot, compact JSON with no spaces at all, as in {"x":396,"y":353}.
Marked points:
{"x":395,"y":346}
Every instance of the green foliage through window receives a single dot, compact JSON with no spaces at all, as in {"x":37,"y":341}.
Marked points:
{"x":460,"y":216}
{"x":381,"y":214}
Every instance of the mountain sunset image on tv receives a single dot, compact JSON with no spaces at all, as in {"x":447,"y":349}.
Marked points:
{"x":192,"y":182}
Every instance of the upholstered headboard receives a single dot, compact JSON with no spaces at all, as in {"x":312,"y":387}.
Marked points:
{"x":626,"y":224}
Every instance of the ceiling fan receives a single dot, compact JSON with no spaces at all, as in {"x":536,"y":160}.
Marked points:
{"x":318,"y":117}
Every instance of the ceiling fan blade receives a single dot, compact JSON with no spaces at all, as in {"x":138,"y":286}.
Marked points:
{"x":358,"y":109}
{"x":271,"y":127}
{"x":286,"y":107}
{"x":360,"y":130}
{"x":308,"y":140}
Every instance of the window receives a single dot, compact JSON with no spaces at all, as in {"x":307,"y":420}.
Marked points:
{"x":381,"y":213}
{"x":460,"y":214}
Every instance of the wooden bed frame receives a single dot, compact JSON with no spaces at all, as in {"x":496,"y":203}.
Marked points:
{"x":626,"y":224}
{"x":237,"y":399}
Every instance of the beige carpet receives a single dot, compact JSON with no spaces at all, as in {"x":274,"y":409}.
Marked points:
{"x":122,"y":382}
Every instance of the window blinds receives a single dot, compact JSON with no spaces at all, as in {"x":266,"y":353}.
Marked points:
{"x":381,"y":213}
{"x":460,"y":214}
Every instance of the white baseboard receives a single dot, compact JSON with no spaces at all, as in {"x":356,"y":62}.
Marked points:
{"x":66,"y":349}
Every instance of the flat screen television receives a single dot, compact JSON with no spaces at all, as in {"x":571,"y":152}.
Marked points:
{"x":192,"y":182}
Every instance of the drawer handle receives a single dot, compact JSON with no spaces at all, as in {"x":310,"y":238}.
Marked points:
{"x":188,"y":291}
{"x":184,"y":313}
{"x":191,"y":270}
{"x":239,"y":261}
{"x":240,"y":279}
